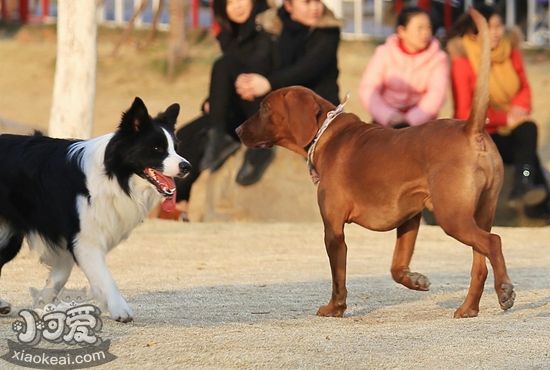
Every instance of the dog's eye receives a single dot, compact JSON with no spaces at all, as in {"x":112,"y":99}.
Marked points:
{"x":157,"y":149}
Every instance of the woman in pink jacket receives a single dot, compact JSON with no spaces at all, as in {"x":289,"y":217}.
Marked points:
{"x":406,"y":81}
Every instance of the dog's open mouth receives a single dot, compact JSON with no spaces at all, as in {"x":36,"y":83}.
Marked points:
{"x":165,"y":185}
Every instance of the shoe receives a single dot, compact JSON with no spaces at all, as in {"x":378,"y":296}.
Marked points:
{"x":401,"y":125}
{"x":525,"y":191}
{"x":219,"y":147}
{"x":254,"y":165}
{"x":539,"y":212}
{"x":183,"y":217}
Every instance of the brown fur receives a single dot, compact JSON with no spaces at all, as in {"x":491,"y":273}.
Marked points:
{"x":383,"y":178}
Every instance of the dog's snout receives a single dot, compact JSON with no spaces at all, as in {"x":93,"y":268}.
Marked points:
{"x":185,"y":167}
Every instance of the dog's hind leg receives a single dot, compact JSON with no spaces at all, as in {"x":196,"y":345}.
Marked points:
{"x":10,"y":245}
{"x":60,"y":270}
{"x":459,"y":222}
{"x":484,"y":218}
{"x":478,"y":275}
{"x":402,"y":254}
{"x":337,"y":254}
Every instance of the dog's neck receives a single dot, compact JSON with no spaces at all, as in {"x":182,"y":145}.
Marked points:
{"x":330,"y":117}
{"x":327,"y":113}
{"x":291,"y":143}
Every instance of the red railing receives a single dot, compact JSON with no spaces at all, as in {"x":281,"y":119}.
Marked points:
{"x":427,"y":4}
{"x":23,"y":11}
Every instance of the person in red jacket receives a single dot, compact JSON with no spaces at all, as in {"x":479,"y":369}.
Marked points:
{"x":509,"y":114}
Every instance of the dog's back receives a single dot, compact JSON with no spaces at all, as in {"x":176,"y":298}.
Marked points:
{"x":36,"y":181}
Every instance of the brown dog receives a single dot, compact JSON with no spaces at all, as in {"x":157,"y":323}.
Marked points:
{"x":383,"y":178}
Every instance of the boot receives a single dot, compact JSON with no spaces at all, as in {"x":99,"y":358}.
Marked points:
{"x":540,"y":212}
{"x":525,"y":191}
{"x":219,"y":147}
{"x":254,"y":165}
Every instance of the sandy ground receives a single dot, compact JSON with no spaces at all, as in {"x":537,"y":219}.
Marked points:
{"x":244,"y":295}
{"x":237,"y":295}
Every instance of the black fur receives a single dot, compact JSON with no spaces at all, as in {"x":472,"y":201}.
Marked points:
{"x":137,"y":143}
{"x":38,"y":188}
{"x":40,"y":181}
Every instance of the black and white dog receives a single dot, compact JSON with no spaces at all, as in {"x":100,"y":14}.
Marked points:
{"x":76,"y":200}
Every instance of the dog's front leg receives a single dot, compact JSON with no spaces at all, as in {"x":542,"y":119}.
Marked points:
{"x":91,"y":260}
{"x":402,"y":255}
{"x":337,"y":254}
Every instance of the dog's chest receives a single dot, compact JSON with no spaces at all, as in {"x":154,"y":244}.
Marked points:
{"x":109,"y":216}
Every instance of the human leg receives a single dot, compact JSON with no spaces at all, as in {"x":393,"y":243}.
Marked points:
{"x":219,"y":145}
{"x":255,"y":161}
{"x":192,"y":140}
{"x":519,"y":149}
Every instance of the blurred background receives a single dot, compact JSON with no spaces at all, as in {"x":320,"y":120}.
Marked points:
{"x":162,"y":51}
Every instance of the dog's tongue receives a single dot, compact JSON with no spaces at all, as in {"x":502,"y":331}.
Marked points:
{"x":169,"y":202}
{"x":168,"y":205}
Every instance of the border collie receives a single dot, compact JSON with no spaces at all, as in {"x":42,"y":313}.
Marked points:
{"x":74,"y":200}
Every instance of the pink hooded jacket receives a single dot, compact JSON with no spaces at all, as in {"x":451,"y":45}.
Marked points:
{"x":415,"y":84}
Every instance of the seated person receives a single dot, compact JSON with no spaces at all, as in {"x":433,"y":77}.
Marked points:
{"x":210,"y":139}
{"x":308,"y":36}
{"x":245,"y":49}
{"x":509,"y":122}
{"x":405,"y":82}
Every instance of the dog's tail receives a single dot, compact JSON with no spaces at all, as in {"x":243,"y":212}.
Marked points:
{"x":476,"y":121}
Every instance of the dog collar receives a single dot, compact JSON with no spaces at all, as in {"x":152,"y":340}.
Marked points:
{"x":330,"y":117}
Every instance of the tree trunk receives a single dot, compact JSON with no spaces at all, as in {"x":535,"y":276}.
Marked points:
{"x":177,"y":45}
{"x":154,"y":24}
{"x":130,"y":27}
{"x":75,"y":71}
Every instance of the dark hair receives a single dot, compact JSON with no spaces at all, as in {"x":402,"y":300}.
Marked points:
{"x":220,"y":12}
{"x":407,"y":13}
{"x":465,"y":24}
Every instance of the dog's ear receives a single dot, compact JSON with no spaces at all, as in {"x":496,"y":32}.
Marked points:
{"x":303,"y":114}
{"x":169,"y":116}
{"x":136,"y":118}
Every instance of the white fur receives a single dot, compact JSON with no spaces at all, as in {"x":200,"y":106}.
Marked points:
{"x":110,"y":215}
{"x":106,"y":218}
{"x":172,"y":163}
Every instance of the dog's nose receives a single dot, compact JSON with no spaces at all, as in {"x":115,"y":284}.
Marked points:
{"x":185,"y":168}
{"x":238,"y":130}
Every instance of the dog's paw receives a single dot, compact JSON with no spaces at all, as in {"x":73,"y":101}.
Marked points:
{"x":331,"y":310}
{"x":506,"y":296}
{"x":5,"y":307}
{"x":419,"y":281}
{"x":464,"y":312}
{"x":120,"y":311}
{"x":411,"y":280}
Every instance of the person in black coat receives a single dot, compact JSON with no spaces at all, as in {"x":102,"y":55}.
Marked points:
{"x":244,"y":49}
{"x":210,"y":139}
{"x":307,"y":37}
